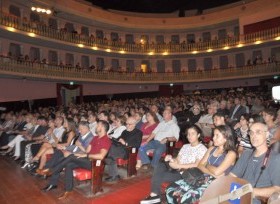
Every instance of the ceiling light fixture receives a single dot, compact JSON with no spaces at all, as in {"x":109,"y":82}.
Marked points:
{"x":41,"y":10}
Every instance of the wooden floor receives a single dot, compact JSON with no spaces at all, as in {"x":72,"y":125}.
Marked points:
{"x":18,"y":186}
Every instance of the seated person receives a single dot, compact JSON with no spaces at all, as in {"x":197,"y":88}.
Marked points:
{"x":218,"y":161}
{"x":119,"y":127}
{"x":147,"y":129}
{"x":242,"y":133}
{"x":188,"y":157}
{"x":265,"y":180}
{"x":97,"y":149}
{"x":167,"y":130}
{"x":40,"y":130}
{"x":269,"y":116}
{"x":51,"y":137}
{"x":62,"y":152}
{"x":15,"y":143}
{"x":131,"y":137}
{"x":47,"y":148}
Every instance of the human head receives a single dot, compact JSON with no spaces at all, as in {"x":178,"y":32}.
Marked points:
{"x":269,"y":115}
{"x":120,"y":120}
{"x":258,"y":135}
{"x":194,"y":134}
{"x":167,"y":115}
{"x":255,"y":118}
{"x":219,"y":119}
{"x":154,"y":108}
{"x":196,"y":109}
{"x":69,"y":124}
{"x":83,"y":128}
{"x":59,"y":121}
{"x":223,"y":104}
{"x":51,"y":123}
{"x":244,"y":119}
{"x":92,"y":117}
{"x":103,"y":115}
{"x":152,"y":117}
{"x":223,"y":136}
{"x":102,"y":128}
{"x":130,"y":124}
{"x":138,"y":116}
{"x":236,"y":101}
{"x":212,"y":108}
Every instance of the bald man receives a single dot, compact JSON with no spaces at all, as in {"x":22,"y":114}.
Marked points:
{"x":249,"y":165}
{"x":131,"y":137}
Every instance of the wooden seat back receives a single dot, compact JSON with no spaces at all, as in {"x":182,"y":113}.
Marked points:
{"x":222,"y":186}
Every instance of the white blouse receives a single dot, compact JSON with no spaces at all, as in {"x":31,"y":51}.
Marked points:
{"x":189,"y":154}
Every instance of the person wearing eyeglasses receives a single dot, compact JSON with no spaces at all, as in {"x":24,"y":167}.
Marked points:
{"x":260,"y":167}
{"x":131,"y":137}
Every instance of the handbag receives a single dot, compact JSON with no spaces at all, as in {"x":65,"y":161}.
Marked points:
{"x":194,"y":177}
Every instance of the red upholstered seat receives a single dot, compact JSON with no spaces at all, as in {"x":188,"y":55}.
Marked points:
{"x":82,"y":174}
{"x":122,"y":162}
{"x":151,"y":154}
{"x":179,"y":144}
{"x":164,"y":186}
{"x":48,"y":156}
{"x":206,"y":139}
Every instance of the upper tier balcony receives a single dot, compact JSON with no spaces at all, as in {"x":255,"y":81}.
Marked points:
{"x":15,"y":68}
{"x":15,"y":24}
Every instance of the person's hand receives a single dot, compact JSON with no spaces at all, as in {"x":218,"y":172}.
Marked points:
{"x":237,"y":125}
{"x":61,"y":147}
{"x":174,"y":165}
{"x":78,"y":143}
{"x":168,"y":158}
{"x":80,"y":155}
{"x":163,"y":141}
{"x":122,"y":141}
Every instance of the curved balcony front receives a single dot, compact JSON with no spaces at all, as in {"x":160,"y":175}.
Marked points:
{"x":9,"y":67}
{"x":13,"y":24}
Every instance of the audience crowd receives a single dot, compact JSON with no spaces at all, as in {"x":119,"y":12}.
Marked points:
{"x":223,"y":132}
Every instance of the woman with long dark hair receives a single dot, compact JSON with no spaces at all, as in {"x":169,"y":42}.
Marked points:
{"x":218,"y":161}
{"x":172,"y":169}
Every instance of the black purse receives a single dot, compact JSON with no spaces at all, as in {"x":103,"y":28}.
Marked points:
{"x":194,"y":176}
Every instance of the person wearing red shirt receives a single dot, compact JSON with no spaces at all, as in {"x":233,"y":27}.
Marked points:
{"x":97,"y":149}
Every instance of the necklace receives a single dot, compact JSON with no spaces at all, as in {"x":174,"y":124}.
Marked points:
{"x":209,"y":162}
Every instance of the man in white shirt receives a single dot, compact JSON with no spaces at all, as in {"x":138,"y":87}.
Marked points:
{"x":167,"y":130}
{"x":92,"y":122}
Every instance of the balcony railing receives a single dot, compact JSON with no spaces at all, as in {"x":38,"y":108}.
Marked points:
{"x":116,"y":46}
{"x":9,"y":67}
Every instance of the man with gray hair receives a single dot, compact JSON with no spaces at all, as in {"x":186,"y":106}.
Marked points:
{"x":260,"y":166}
{"x":131,"y":137}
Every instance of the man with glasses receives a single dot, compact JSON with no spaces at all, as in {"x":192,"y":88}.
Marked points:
{"x":260,"y":167}
{"x":131,"y":137}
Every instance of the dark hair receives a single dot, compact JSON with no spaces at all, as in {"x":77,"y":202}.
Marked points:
{"x":246,"y":116}
{"x":153,"y":115}
{"x":105,"y":113}
{"x":271,"y":112}
{"x":84,"y":123}
{"x":121,"y":118}
{"x":105,"y":124}
{"x":71,"y":125}
{"x":198,"y":130}
{"x":227,"y":132}
{"x":42,"y":118}
{"x":219,"y":114}
{"x":257,"y":118}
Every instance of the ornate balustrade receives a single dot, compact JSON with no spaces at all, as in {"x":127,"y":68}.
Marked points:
{"x":116,"y":46}
{"x":11,"y":67}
